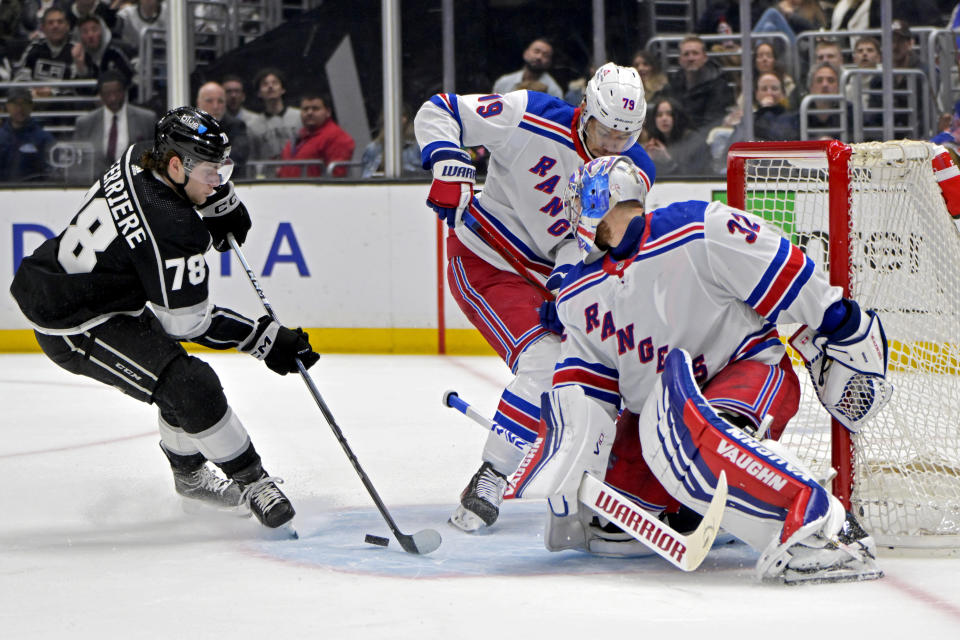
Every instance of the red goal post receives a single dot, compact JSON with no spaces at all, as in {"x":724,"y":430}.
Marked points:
{"x":873,"y":216}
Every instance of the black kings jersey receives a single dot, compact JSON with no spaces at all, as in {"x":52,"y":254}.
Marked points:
{"x":133,"y":241}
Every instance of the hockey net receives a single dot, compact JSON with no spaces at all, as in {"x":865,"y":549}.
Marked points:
{"x":874,"y":217}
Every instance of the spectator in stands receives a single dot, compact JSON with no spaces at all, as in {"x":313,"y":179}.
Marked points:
{"x":233,"y":88}
{"x":765,"y":60}
{"x":576,"y":87}
{"x":824,"y":79}
{"x":115,"y":125}
{"x":320,"y":139}
{"x":49,"y":58}
{"x":674,"y":148}
{"x":139,"y":16}
{"x":648,"y":65}
{"x":212,"y":98}
{"x":410,"y":163}
{"x":727,"y":12}
{"x":9,"y":19}
{"x":866,"y":55}
{"x":903,"y":58}
{"x":79,"y":9}
{"x":949,"y":136}
{"x":536,"y":62}
{"x":772,"y":117}
{"x":857,"y":15}
{"x":6,"y":67}
{"x":795,"y":16}
{"x":31,"y":17}
{"x":829,"y":51}
{"x":95,"y":53}
{"x":23,"y":142}
{"x":271,"y":130}
{"x":700,"y":85}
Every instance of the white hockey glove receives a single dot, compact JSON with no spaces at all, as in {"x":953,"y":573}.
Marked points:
{"x":849,"y":375}
{"x":452,"y":188}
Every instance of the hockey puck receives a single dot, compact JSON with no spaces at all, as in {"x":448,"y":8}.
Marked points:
{"x":377,"y":540}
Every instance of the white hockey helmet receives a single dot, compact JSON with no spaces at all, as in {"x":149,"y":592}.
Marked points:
{"x":614,"y":96}
{"x":596,"y":188}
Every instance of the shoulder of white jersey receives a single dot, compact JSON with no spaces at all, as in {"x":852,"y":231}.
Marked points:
{"x":549,"y":117}
{"x":675,"y":221}
{"x":642,"y":159}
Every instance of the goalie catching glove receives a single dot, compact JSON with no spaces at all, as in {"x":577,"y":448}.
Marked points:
{"x":280,"y":347}
{"x":452,"y":188}
{"x":848,"y":365}
{"x":223,"y":213}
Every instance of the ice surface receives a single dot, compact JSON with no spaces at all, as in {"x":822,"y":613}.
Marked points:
{"x":94,"y":542}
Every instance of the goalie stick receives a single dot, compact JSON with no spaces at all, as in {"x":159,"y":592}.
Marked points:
{"x":685,"y":552}
{"x":421,"y":542}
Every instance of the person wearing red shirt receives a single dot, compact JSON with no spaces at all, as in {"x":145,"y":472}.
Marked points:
{"x":320,"y":139}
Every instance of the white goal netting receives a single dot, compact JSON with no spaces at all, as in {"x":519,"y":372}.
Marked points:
{"x":904,"y":256}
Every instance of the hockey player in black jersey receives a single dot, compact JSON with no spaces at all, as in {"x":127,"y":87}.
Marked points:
{"x":114,"y":295}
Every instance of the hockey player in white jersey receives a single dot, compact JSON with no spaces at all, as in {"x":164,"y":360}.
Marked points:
{"x":536,"y":142}
{"x":672,"y":316}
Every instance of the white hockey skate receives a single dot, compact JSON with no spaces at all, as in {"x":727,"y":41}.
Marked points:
{"x":850,"y":555}
{"x":480,"y":501}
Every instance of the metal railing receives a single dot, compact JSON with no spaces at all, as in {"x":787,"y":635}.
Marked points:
{"x":912,"y":103}
{"x":835,"y":105}
{"x":58,"y":112}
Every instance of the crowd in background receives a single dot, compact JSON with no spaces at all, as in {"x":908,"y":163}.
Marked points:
{"x":695,"y":105}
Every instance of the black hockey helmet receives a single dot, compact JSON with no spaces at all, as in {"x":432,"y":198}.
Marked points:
{"x":195,"y":136}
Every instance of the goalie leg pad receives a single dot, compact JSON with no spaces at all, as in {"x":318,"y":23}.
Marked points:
{"x":687,"y":445}
{"x":576,"y":436}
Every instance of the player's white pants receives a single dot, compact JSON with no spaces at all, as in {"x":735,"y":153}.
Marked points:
{"x":519,"y":408}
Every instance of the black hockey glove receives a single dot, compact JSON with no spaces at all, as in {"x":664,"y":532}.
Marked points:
{"x":223,"y":213}
{"x":280,"y":347}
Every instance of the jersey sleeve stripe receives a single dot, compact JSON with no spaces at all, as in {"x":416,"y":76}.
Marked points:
{"x":545,"y":132}
{"x":775,"y":265}
{"x":783,"y":281}
{"x":426,"y":156}
{"x":794,"y":290}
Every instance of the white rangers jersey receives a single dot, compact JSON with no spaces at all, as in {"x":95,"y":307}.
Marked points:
{"x":704,"y":277}
{"x":534,"y":149}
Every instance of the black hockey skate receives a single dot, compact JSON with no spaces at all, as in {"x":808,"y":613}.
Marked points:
{"x":261,"y":494}
{"x":480,"y":501}
{"x":206,"y":486}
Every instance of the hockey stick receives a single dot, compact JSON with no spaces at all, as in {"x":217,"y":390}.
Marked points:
{"x":685,"y":552}
{"x":422,"y":542}
{"x":478,"y":227}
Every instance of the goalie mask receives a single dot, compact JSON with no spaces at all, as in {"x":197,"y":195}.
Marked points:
{"x":614,"y":97}
{"x":596,"y":188}
{"x":198,"y":140}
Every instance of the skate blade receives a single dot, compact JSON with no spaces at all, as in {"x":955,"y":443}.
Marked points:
{"x":466,"y":521}
{"x":283,"y":532}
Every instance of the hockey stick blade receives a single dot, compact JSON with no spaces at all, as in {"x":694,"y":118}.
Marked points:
{"x":422,"y":542}
{"x":685,"y":552}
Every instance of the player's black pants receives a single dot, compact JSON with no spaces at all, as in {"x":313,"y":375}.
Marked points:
{"x":136,"y":356}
